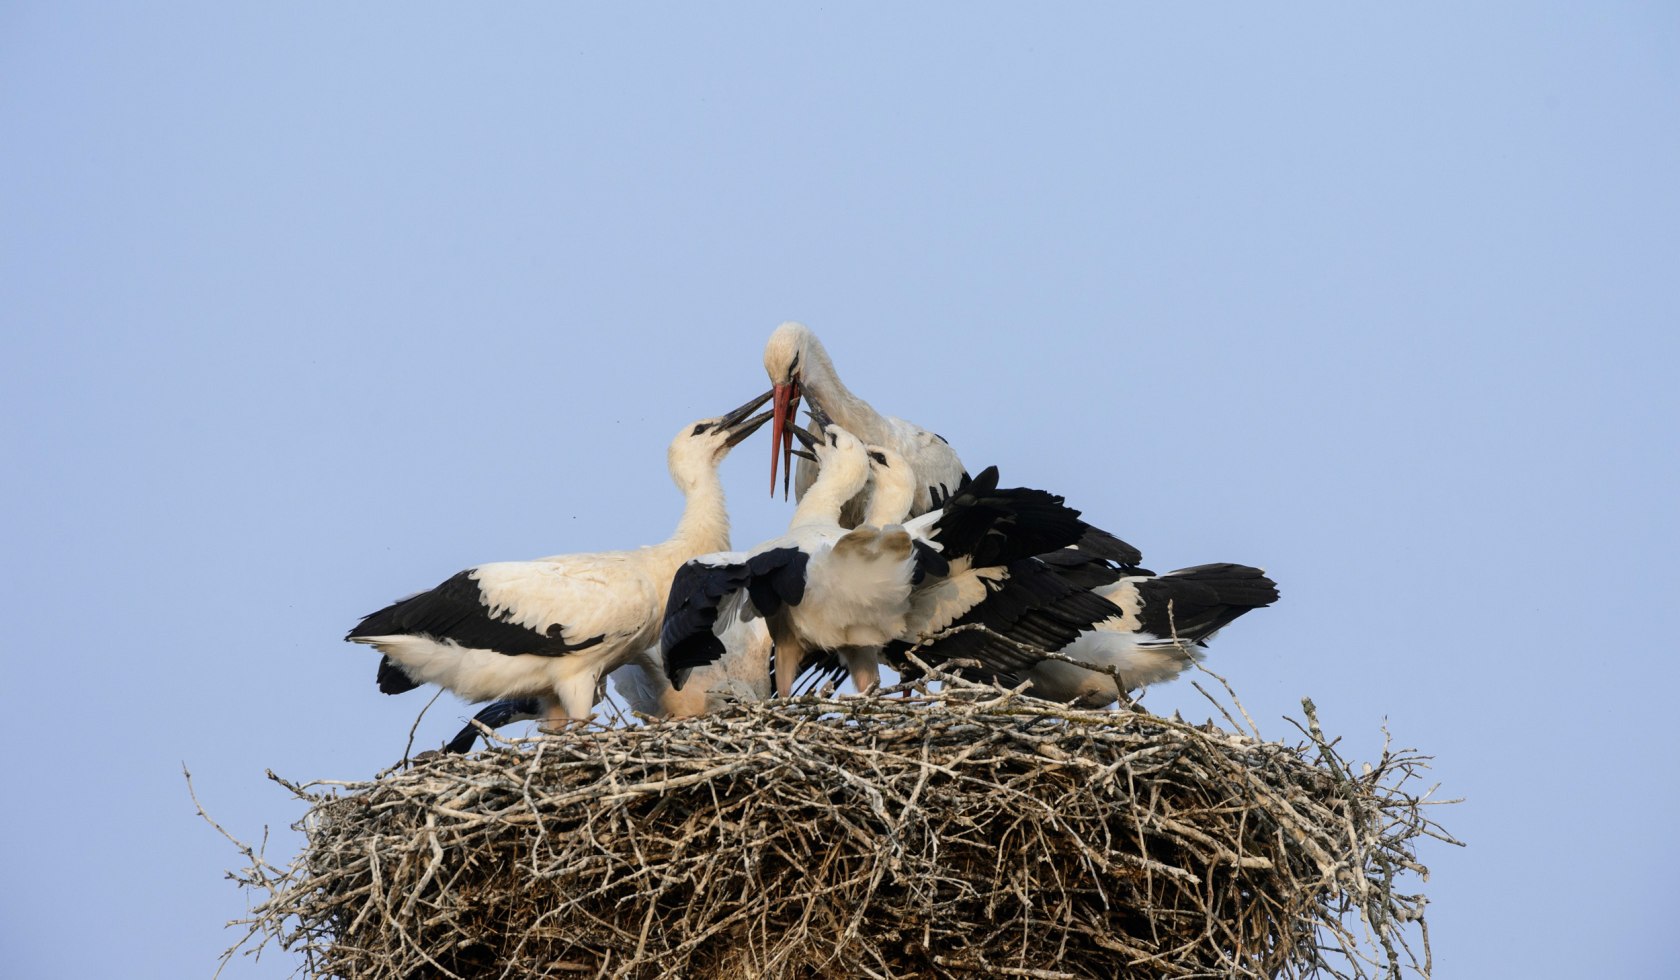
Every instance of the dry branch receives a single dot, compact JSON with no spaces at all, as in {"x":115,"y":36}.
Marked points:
{"x":963,"y":831}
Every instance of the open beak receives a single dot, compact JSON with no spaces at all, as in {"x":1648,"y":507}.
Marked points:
{"x":734,"y":418}
{"x":817,"y":414}
{"x":781,"y":438}
{"x":739,"y":426}
{"x":745,"y":429}
{"x":806,"y":437}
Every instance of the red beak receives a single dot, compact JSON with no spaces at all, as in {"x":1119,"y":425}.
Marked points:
{"x":781,"y":437}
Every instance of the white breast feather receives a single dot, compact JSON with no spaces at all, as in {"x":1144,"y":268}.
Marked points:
{"x":857,"y":591}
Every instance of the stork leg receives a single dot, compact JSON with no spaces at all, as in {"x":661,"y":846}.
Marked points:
{"x":790,"y":656}
{"x":555,"y":720}
{"x":575,"y":701}
{"x":862,"y":665}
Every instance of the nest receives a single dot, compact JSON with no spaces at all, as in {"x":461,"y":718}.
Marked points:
{"x":962,"y":831}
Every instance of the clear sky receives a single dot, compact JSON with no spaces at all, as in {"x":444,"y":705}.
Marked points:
{"x":308,"y":306}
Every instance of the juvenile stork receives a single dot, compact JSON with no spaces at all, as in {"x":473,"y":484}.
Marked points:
{"x":819,"y":587}
{"x":799,"y":366}
{"x":1162,"y":625}
{"x":552,"y":628}
{"x":994,"y":582}
{"x":835,"y":594}
{"x":891,"y":487}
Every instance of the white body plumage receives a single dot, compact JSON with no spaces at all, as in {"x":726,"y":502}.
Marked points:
{"x":553,"y":627}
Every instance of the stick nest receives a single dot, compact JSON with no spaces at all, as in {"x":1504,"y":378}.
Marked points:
{"x":959,"y":832}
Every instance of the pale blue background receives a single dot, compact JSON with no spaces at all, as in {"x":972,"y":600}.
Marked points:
{"x":307,"y":306}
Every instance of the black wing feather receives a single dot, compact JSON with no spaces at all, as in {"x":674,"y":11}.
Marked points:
{"x":1193,"y":603}
{"x":819,"y":667}
{"x":1086,"y":570}
{"x":687,"y":637}
{"x":1101,"y":544}
{"x":494,"y":715}
{"x":1031,"y":606}
{"x":392,"y":678}
{"x":928,"y":561}
{"x":456,"y":611}
{"x":995,"y":527}
{"x":777,"y":579}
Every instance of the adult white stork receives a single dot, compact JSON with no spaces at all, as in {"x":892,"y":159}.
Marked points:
{"x":553,"y":627}
{"x":1162,"y":626}
{"x":799,"y":366}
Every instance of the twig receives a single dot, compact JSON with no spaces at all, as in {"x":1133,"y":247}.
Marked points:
{"x":949,"y":828}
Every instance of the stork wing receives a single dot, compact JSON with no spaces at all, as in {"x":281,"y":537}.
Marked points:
{"x":496,"y":715}
{"x":1089,"y":570}
{"x":1101,"y":544}
{"x":548,"y":608}
{"x":688,"y":637}
{"x":1026,"y":608}
{"x":1193,"y":603}
{"x":996,"y":527}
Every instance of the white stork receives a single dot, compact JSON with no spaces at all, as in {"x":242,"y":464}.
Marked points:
{"x":799,"y":367}
{"x":553,"y":627}
{"x":818,"y":587}
{"x":1162,"y":625}
{"x":832,"y":593}
{"x":891,"y":487}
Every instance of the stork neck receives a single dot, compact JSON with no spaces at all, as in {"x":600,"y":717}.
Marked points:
{"x":854,"y":414}
{"x":889,"y":502}
{"x":821,"y":504}
{"x":704,"y":526}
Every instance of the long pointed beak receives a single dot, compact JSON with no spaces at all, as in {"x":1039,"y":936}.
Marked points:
{"x":781,"y":440}
{"x":818,"y":415}
{"x":787,"y":444}
{"x":807,"y":438}
{"x":734,"y":418}
{"x":745,"y":429}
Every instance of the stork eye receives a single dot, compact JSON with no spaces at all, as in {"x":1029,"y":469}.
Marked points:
{"x":700,"y":427}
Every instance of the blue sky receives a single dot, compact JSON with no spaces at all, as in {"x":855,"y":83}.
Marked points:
{"x":307,"y":307}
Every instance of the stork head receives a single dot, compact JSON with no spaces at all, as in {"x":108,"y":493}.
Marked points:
{"x":701,"y":445}
{"x":785,"y":355}
{"x":838,"y":453}
{"x":892,"y":487}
